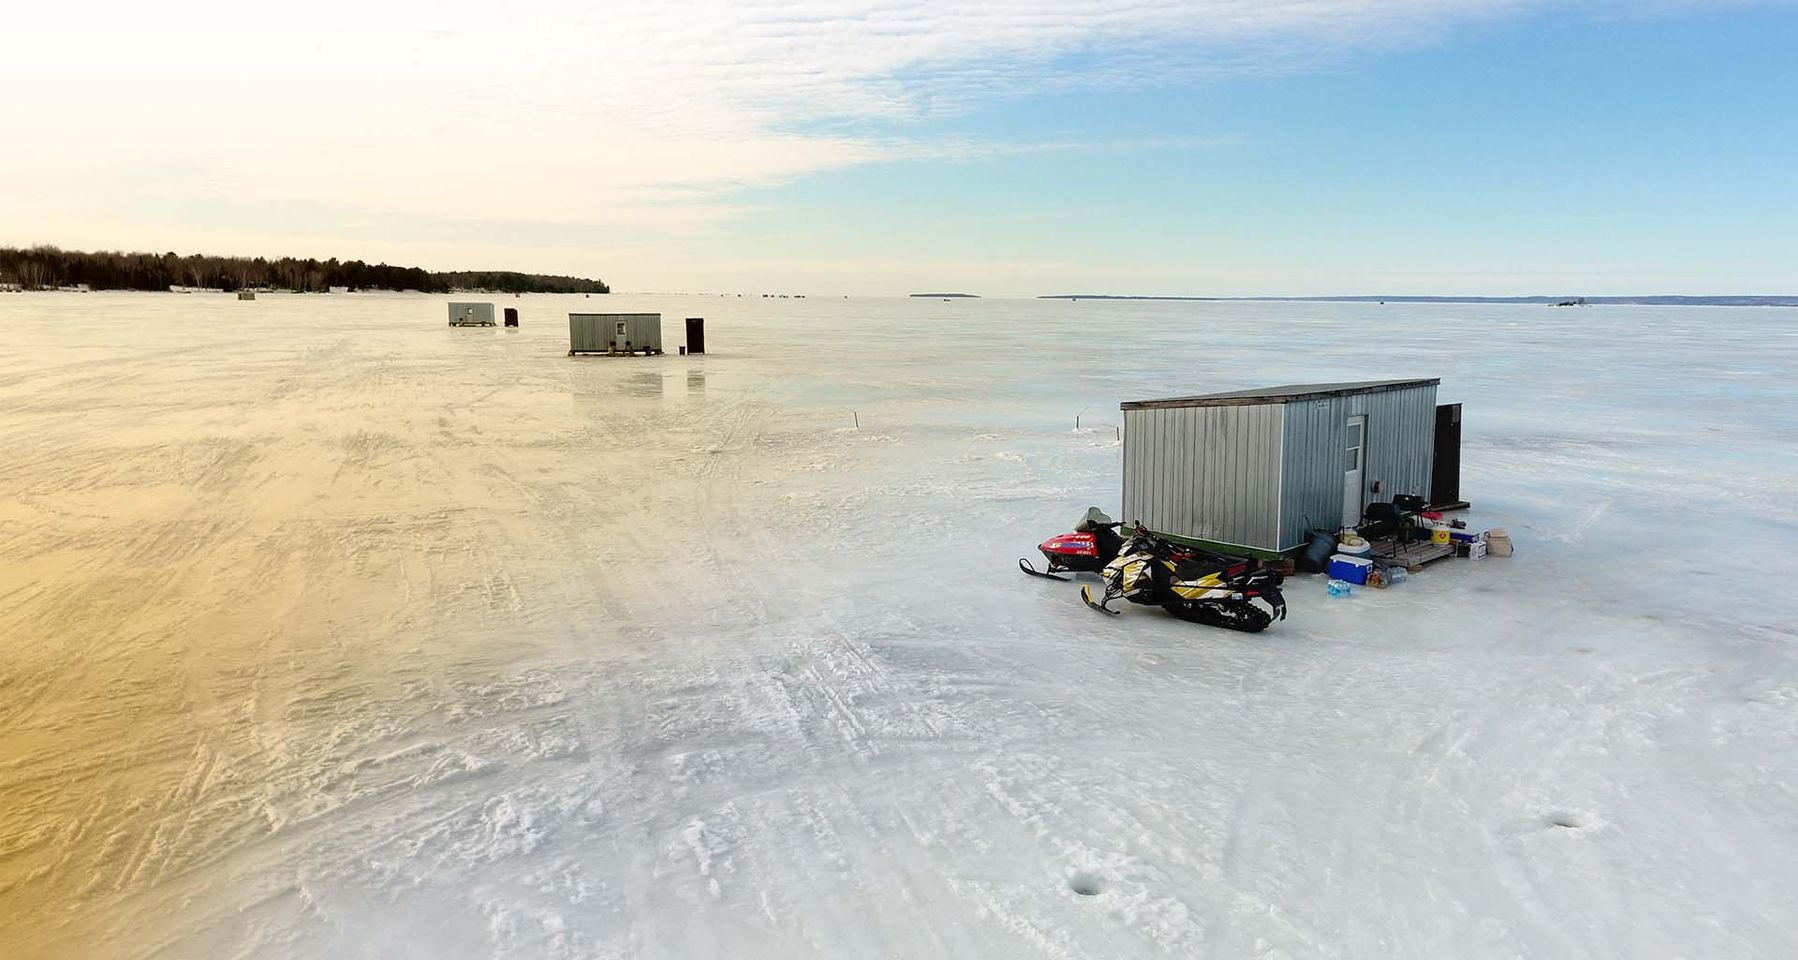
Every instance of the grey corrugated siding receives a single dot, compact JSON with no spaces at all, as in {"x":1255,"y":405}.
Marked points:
{"x":588,"y":332}
{"x":1210,"y":473}
{"x":594,"y":332}
{"x":462,"y":313}
{"x":645,"y":331}
{"x":1400,"y":443}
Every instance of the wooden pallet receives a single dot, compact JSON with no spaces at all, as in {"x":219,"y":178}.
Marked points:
{"x":1411,"y":554}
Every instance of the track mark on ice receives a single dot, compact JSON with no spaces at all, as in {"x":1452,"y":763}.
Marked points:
{"x":1573,"y":820}
{"x":1578,"y":532}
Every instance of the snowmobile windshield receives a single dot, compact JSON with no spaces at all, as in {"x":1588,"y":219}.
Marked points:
{"x":1137,"y":544}
{"x":1094,"y":520}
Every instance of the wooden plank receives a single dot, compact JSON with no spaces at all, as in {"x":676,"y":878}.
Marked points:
{"x":1412,"y":553}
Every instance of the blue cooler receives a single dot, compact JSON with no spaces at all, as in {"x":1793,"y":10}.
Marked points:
{"x":1352,"y":569}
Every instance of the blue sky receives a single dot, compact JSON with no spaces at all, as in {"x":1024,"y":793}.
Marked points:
{"x":1209,"y":147}
{"x":1546,"y":155}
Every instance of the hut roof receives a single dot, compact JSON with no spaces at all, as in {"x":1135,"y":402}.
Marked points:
{"x":1282,"y":394}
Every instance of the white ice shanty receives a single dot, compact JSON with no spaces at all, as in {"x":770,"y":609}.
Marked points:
{"x":471,"y":314}
{"x":614,"y":333}
{"x":1261,"y":469}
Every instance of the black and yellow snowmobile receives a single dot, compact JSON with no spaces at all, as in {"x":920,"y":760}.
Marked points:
{"x":1197,"y":586}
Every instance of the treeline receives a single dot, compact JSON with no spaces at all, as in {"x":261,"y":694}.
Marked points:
{"x":46,"y":268}
{"x":506,"y":281}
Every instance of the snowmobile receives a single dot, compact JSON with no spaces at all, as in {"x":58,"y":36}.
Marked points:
{"x":1192,"y":585}
{"x":1093,"y":544}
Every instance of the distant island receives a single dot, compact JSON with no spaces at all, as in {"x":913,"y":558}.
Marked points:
{"x":48,"y":268}
{"x":1652,"y":301}
{"x":950,"y":296}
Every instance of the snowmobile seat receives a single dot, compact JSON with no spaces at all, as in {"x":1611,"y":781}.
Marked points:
{"x":1193,"y":568}
{"x":1202,"y":564}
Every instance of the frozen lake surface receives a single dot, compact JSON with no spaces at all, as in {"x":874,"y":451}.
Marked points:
{"x":329,"y":631}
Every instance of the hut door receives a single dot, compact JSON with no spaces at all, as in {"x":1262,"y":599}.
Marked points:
{"x":1354,"y":463}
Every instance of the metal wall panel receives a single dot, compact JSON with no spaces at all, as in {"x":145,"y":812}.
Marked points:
{"x":1400,"y":444}
{"x":1311,"y":483}
{"x":589,"y":332}
{"x":595,"y":332}
{"x":1208,"y":473}
{"x":644,"y":331}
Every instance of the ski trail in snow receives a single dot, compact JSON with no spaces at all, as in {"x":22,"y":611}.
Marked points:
{"x":1577,"y":532}
{"x":328,"y":632}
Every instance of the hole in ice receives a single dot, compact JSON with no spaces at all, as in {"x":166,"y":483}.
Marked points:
{"x":1085,"y":884}
{"x":1562,"y":818}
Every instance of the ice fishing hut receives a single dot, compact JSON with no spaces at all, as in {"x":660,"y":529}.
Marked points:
{"x":1255,"y":471}
{"x":614,"y":333}
{"x":471,"y":314}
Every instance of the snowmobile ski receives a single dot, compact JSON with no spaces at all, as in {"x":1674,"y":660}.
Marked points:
{"x":1086,"y":593}
{"x":1025,"y":566}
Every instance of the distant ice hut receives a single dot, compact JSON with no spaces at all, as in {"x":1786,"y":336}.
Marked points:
{"x":471,"y":314}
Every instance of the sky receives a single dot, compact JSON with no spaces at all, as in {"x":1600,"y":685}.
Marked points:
{"x":1005,"y":148}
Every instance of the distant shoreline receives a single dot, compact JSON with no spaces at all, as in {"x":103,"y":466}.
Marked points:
{"x":1649,"y":301}
{"x":51,"y":268}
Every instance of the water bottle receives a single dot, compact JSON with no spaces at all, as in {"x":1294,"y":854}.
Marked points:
{"x":1340,"y":588}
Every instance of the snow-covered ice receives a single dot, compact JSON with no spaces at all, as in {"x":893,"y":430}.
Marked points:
{"x":329,"y":631}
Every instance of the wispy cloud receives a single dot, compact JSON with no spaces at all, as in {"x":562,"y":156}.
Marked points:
{"x":640,"y":113}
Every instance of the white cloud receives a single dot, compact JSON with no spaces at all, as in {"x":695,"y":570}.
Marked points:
{"x":643,"y":114}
